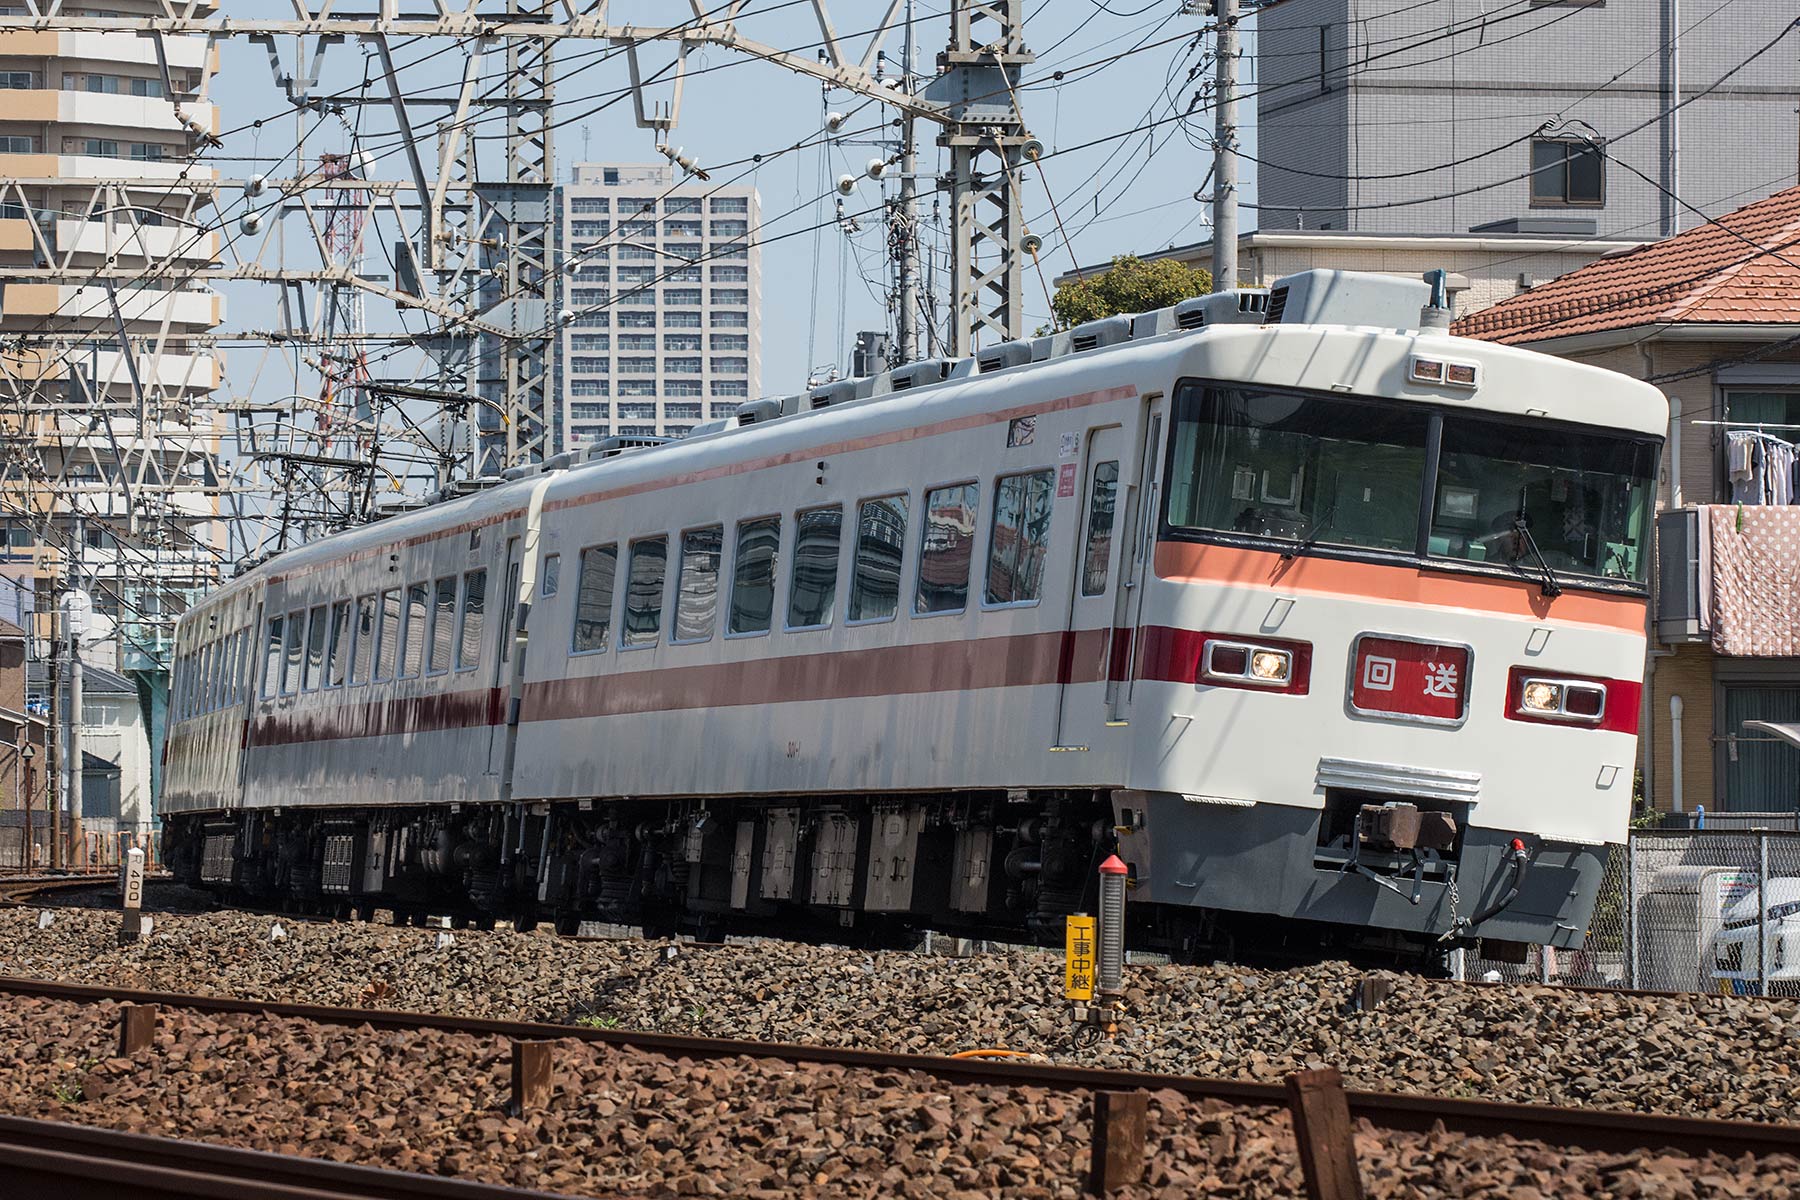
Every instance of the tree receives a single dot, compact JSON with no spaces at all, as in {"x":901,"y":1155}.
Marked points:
{"x":1131,"y":285}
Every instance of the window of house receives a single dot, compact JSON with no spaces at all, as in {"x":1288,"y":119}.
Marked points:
{"x":362,"y":641}
{"x":387,"y":641}
{"x":946,"y":546}
{"x":730,"y":204}
{"x":697,"y":591}
{"x":292,"y":649}
{"x":26,"y":80}
{"x":729,"y":320}
{"x":681,"y":341}
{"x":413,"y":633}
{"x":880,"y":548}
{"x":753,"y":575}
{"x":474,"y":620}
{"x":1567,"y":172}
{"x":443,"y":615}
{"x":594,"y":598}
{"x":644,"y":591}
{"x":338,"y":652}
{"x":1019,"y":537}
{"x":813,"y":588}
{"x":1102,"y":499}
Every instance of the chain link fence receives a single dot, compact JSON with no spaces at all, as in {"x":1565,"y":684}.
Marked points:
{"x":1685,"y":910}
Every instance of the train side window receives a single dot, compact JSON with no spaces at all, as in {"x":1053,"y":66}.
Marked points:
{"x":337,"y":655}
{"x":362,"y":642}
{"x":697,"y":589}
{"x":880,"y":552}
{"x":509,"y":602}
{"x":1103,"y":493}
{"x":292,"y":650}
{"x":813,"y":586}
{"x":271,"y":666}
{"x":1019,"y":537}
{"x":315,"y":649}
{"x":211,"y":679}
{"x":552,"y":570}
{"x":443,"y":625}
{"x":644,"y":591}
{"x":413,"y":631}
{"x":594,"y":598}
{"x":946,"y":548}
{"x":474,"y":619}
{"x":753,"y":575}
{"x":387,"y":637}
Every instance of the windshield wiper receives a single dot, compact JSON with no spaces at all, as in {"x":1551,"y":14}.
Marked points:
{"x":1549,"y":584}
{"x":1311,"y":537}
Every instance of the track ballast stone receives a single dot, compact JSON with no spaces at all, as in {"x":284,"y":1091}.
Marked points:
{"x":1712,"y":1056}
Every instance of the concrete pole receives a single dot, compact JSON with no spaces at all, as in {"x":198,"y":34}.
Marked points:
{"x":1225,"y":217}
{"x":74,"y":745}
{"x":907,"y":327}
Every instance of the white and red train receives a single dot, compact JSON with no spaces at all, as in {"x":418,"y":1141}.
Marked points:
{"x":1330,"y":625}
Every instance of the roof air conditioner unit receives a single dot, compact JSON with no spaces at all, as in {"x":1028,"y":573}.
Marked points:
{"x":1325,"y":297}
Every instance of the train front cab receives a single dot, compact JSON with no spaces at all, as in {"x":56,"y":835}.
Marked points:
{"x":1389,"y":667}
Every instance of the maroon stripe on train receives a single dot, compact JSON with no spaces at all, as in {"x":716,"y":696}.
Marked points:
{"x":1023,"y":660}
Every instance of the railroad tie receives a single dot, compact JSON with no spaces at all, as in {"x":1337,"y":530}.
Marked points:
{"x":1120,"y":1123}
{"x":530,"y":1076}
{"x":137,"y":1028}
{"x":1322,"y":1128}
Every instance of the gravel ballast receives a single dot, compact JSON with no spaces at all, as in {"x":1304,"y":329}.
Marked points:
{"x":1709,"y":1056}
{"x":633,"y":1123}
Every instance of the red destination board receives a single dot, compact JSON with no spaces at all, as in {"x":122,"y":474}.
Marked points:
{"x":1419,"y":681}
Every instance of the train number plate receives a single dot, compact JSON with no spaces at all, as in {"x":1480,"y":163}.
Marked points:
{"x":1404,"y":680}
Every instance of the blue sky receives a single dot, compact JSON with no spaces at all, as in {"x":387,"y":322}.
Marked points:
{"x":1123,"y":61}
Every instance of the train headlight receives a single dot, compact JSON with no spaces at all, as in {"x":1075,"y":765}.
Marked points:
{"x":1276,"y":666}
{"x":1541,"y":696}
{"x":1573,"y":700}
{"x":1272,"y":665}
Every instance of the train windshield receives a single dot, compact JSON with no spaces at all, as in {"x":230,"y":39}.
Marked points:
{"x":1301,"y":470}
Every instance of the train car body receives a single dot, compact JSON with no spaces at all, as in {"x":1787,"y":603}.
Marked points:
{"x":1331,"y":627}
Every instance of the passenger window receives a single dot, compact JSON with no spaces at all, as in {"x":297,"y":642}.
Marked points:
{"x":290,"y":659}
{"x":644,"y":591}
{"x":946,"y":544}
{"x":362,"y":643}
{"x":753,"y":575}
{"x":443,"y":624}
{"x":1102,"y":498}
{"x":552,"y":569}
{"x":880,"y":548}
{"x":271,"y":669}
{"x":594,"y":598}
{"x":1019,"y":538}
{"x":474,"y":617}
{"x":813,"y":587}
{"x":387,"y":639}
{"x":339,"y":653}
{"x":413,"y":631}
{"x":697,"y":593}
{"x":315,"y":649}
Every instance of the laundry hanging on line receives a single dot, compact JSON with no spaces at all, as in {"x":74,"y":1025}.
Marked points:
{"x":1761,"y":467}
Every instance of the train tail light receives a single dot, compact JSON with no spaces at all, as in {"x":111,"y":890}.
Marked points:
{"x":1228,"y":661}
{"x":1573,"y":700}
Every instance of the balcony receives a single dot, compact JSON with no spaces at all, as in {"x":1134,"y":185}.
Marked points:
{"x":1728,"y":575}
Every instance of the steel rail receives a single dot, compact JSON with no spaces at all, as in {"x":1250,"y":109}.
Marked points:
{"x":1606,"y":1130}
{"x":82,"y":1162}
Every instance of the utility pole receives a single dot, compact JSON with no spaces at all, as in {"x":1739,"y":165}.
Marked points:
{"x":1225,"y":163}
{"x":75,"y":618}
{"x":907,"y":219}
{"x":1671,"y":201}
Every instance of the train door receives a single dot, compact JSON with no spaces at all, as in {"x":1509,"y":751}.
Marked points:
{"x":1093,"y":480}
{"x":503,"y":666}
{"x":1138,"y":514}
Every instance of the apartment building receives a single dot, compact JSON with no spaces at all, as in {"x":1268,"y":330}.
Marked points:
{"x":1546,"y":117}
{"x":1712,"y":317}
{"x":663,"y":278}
{"x":104,"y":216}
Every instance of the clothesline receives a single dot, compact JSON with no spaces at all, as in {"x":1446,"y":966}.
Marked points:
{"x":1747,"y":426}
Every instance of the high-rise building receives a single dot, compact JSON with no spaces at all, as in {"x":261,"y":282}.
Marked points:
{"x":106,"y":452}
{"x":1574,"y":118}
{"x":662,"y":278}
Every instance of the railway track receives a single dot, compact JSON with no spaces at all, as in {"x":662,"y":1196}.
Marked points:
{"x":1608,"y":1131}
{"x":77,"y":1162}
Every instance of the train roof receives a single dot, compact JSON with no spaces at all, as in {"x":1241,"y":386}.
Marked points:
{"x":1330,"y":331}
